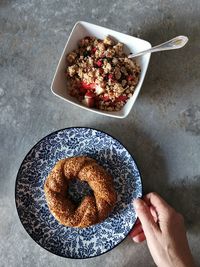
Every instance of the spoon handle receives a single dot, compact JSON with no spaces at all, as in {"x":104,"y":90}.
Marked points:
{"x":174,"y":43}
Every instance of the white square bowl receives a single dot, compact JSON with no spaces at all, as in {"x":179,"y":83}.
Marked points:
{"x":132,"y":45}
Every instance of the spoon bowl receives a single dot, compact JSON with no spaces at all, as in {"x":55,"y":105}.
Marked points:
{"x":175,"y":43}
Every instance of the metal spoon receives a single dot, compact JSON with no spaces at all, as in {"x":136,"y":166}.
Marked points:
{"x":174,"y":43}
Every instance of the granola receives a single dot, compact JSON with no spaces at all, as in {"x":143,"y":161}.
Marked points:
{"x":100,"y":74}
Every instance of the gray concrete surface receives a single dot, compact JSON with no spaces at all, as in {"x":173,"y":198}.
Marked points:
{"x":162,"y":130}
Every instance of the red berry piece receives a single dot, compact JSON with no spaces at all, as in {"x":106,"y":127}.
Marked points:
{"x":121,"y":98}
{"x":99,"y":63}
{"x":94,"y":49}
{"x":129,"y":77}
{"x":106,"y":98}
{"x":89,"y":99}
{"x":110,"y":76}
{"x":89,"y":94}
{"x":88,"y":86}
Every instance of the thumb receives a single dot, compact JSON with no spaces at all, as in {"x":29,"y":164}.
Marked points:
{"x":144,"y":214}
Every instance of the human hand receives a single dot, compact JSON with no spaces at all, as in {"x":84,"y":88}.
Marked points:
{"x":164,"y":230}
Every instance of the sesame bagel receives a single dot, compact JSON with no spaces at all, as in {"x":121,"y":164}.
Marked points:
{"x":93,"y":208}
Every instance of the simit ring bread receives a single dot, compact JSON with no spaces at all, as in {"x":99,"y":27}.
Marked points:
{"x":92,"y":209}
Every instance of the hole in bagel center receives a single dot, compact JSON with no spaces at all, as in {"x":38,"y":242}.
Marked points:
{"x":77,"y":190}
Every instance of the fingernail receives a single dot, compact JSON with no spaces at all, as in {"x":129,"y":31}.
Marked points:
{"x":133,"y":239}
{"x":139,"y":203}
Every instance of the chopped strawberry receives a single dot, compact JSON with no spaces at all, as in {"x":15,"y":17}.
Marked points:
{"x":106,"y":97}
{"x":129,"y":77}
{"x":89,"y":94}
{"x":88,"y":85}
{"x":121,"y":98}
{"x":88,"y":101}
{"x":110,"y":76}
{"x":99,"y":63}
{"x":94,"y":49}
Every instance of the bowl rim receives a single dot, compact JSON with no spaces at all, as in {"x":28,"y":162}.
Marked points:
{"x":17,"y":177}
{"x":105,"y":113}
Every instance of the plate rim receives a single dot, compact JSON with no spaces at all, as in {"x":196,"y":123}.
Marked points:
{"x":17,"y":177}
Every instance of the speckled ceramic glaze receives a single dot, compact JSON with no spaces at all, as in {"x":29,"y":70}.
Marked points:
{"x":32,"y":207}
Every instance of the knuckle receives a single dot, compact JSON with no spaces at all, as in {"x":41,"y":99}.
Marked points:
{"x":153,"y":193}
{"x":175,"y":217}
{"x":142,"y":209}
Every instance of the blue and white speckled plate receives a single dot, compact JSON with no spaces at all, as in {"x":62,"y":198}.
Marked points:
{"x":32,"y":207}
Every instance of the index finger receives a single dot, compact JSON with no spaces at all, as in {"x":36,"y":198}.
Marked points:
{"x":157,"y":202}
